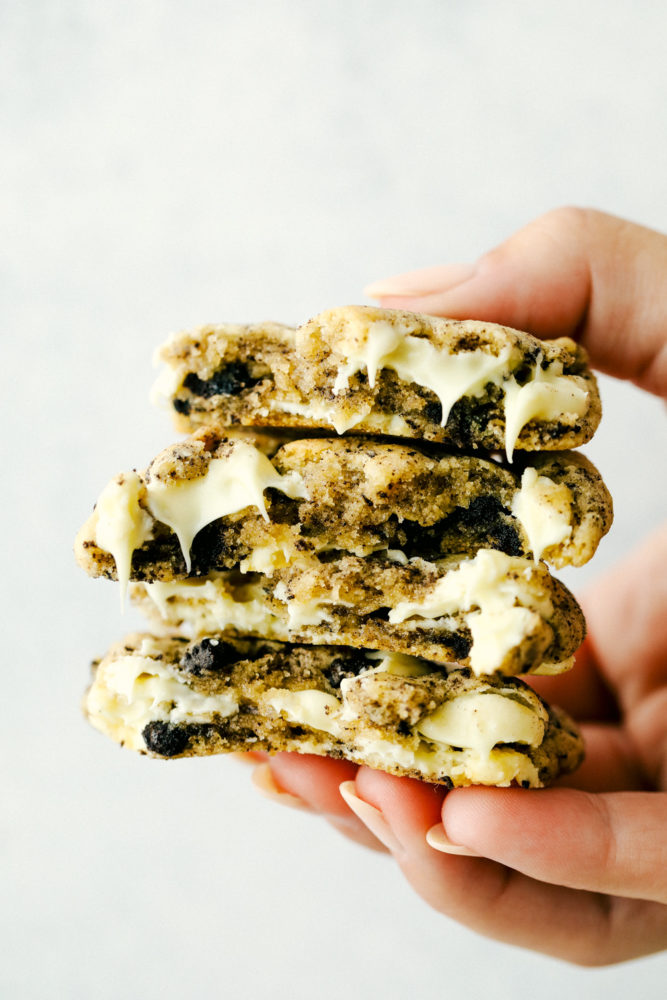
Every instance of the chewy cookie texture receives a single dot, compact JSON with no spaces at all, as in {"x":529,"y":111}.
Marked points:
{"x":381,"y":371}
{"x":362,"y":569}
{"x":169,"y":698}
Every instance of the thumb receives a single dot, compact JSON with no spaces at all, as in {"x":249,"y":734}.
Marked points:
{"x":572,"y":272}
{"x":613,"y":844}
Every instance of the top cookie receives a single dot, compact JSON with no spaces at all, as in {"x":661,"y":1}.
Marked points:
{"x":366,"y":370}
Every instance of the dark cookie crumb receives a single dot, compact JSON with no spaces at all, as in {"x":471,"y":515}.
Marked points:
{"x":165,"y":739}
{"x":345,"y":666}
{"x":230,"y":380}
{"x":460,"y":644}
{"x":181,"y":405}
{"x":209,"y":655}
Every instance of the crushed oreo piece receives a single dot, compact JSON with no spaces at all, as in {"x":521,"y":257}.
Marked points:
{"x":181,"y":405}
{"x":346,"y":666}
{"x":212,"y":655}
{"x":460,"y":644}
{"x":230,"y":380}
{"x":166,"y":739}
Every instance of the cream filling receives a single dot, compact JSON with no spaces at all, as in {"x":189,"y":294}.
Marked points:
{"x":544,"y":509}
{"x":502,"y":599}
{"x":137,"y":689}
{"x":186,"y":505}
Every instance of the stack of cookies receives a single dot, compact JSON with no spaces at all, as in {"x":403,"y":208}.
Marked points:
{"x":349,"y":554}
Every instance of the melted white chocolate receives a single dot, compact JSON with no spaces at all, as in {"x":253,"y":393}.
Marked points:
{"x":138,"y":688}
{"x":548,"y":396}
{"x":503,"y":601}
{"x":480,"y":720}
{"x":121,"y":525}
{"x":544,"y":509}
{"x":414,"y":359}
{"x":186,"y":505}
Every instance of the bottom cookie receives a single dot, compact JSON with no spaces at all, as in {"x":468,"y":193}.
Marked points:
{"x":170,"y":697}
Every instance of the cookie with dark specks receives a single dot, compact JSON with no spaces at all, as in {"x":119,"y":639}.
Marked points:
{"x":349,"y":494}
{"x":367,"y":370}
{"x":494,"y":613}
{"x":170,"y":698}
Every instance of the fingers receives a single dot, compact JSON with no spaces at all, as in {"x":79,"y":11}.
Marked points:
{"x":612,"y":763}
{"x":494,"y":900}
{"x":612,"y":843}
{"x":484,"y":896}
{"x":573,"y":272}
{"x":306,"y":782}
{"x":627,"y":624}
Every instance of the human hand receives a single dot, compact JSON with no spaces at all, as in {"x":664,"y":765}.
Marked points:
{"x":578,"y":871}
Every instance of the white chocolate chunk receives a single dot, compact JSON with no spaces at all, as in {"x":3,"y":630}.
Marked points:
{"x":307,"y":708}
{"x":544,"y":509}
{"x":480,"y":720}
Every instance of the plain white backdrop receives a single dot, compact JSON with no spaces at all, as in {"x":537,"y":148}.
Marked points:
{"x":166,"y":164}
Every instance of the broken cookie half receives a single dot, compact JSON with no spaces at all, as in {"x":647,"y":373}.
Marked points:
{"x":493,"y":613}
{"x":217,"y":501}
{"x":363,"y":369}
{"x":169,"y":697}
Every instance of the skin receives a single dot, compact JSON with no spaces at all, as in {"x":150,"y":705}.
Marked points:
{"x":577,"y":871}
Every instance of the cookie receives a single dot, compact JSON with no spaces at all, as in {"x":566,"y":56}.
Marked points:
{"x":493,"y":613}
{"x":217,"y":502}
{"x":170,"y":698}
{"x":366,"y":370}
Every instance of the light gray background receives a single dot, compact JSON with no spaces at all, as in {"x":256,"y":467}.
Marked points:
{"x":166,"y":164}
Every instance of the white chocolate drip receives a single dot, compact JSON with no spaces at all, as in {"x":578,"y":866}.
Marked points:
{"x":121,"y":524}
{"x":544,"y":509}
{"x":548,"y":396}
{"x":414,"y":359}
{"x":503,"y":600}
{"x":186,"y":505}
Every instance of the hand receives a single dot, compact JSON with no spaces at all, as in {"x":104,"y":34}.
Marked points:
{"x":578,"y":871}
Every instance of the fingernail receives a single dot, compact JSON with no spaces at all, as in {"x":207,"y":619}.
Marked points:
{"x":420,"y":283}
{"x":264,"y":782}
{"x":439,"y":841}
{"x":371,"y":817}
